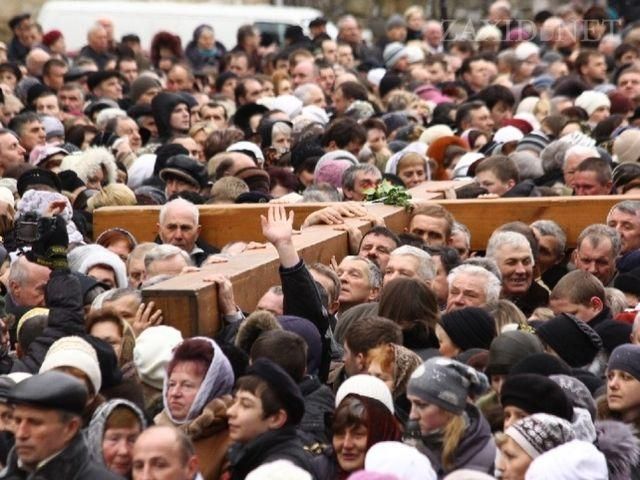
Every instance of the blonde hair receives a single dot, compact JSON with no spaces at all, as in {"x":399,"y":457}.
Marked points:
{"x":453,"y":433}
{"x":113,"y":195}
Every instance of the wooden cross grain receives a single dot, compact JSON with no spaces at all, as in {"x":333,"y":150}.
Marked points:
{"x":189,"y":302}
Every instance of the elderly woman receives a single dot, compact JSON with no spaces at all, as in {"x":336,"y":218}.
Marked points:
{"x":453,"y":433}
{"x":359,"y":422}
{"x":204,"y":50}
{"x":119,"y":241}
{"x":196,"y":395}
{"x":113,"y":430}
{"x":412,"y":167}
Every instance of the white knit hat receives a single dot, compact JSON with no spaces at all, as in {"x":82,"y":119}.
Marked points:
{"x":525,"y":50}
{"x":6,"y":196}
{"x":289,"y":104}
{"x":279,"y":470}
{"x":393,"y":53}
{"x":399,"y":459}
{"x":590,"y":100}
{"x":153,"y":352}
{"x":626,"y":146}
{"x":488,"y":32}
{"x":74,"y":352}
{"x":366,"y":386}
{"x":435,"y":132}
{"x":374,"y":76}
{"x":575,"y":460}
{"x":508,"y":134}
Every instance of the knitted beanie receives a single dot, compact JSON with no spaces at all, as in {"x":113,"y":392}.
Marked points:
{"x":525,"y":49}
{"x":573,"y":340}
{"x":627,"y":359}
{"x":393,"y":53}
{"x":591,"y":100}
{"x":535,"y":393}
{"x":540,"y":433}
{"x":74,"y":352}
{"x":626,"y":146}
{"x":469,"y":327}
{"x":577,"y":392}
{"x":152,"y":353}
{"x":509,"y":348}
{"x":446,"y":383}
{"x":366,"y":386}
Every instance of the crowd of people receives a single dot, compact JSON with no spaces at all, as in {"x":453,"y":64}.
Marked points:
{"x":413,"y":357}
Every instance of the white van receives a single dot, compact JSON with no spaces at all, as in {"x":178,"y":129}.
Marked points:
{"x":145,"y":19}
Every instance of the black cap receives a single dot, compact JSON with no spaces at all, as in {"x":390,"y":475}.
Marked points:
{"x":98,"y":105}
{"x":38,"y":176}
{"x":76,"y":73}
{"x":253,"y":197}
{"x":96,"y":78}
{"x":282,"y":385}
{"x":165,"y":152}
{"x":15,"y":20}
{"x":51,"y":390}
{"x":11,"y":67}
{"x":70,"y":181}
{"x":35,"y":92}
{"x":243,"y":115}
{"x":187,"y":169}
{"x":317,"y":22}
{"x":469,"y":327}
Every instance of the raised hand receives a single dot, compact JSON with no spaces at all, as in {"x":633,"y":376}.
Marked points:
{"x":277,"y":227}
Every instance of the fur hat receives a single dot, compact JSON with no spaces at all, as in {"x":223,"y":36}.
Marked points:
{"x":74,"y":352}
{"x":253,"y":326}
{"x":535,"y":393}
{"x":88,"y":163}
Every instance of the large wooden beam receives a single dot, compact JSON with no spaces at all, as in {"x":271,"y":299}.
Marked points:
{"x":573,"y":214}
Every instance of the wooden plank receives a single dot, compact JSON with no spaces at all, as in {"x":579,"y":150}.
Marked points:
{"x":222,"y":224}
{"x":573,"y":214}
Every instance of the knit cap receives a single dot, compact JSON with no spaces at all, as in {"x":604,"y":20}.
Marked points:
{"x":393,"y":53}
{"x":446,"y":383}
{"x":152,"y":353}
{"x":509,"y":348}
{"x":469,"y":327}
{"x":525,"y":50}
{"x":535,"y":393}
{"x":577,"y":392}
{"x":366,"y":386}
{"x":399,"y":459}
{"x":434,"y":132}
{"x":74,"y":352}
{"x":626,"y":146}
{"x":540,"y":433}
{"x":591,"y":100}
{"x":573,"y":340}
{"x":395,"y":21}
{"x":573,"y":460}
{"x":627,"y":359}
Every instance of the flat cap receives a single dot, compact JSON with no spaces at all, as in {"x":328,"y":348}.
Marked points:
{"x":51,"y":390}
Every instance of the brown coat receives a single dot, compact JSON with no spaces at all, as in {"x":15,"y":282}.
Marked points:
{"x":209,"y":434}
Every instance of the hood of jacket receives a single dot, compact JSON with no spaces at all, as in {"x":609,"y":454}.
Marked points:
{"x":218,"y":381}
{"x":95,"y":431}
{"x":161,"y":106}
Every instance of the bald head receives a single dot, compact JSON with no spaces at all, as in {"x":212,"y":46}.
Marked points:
{"x":97,"y":38}
{"x":167,"y":450}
